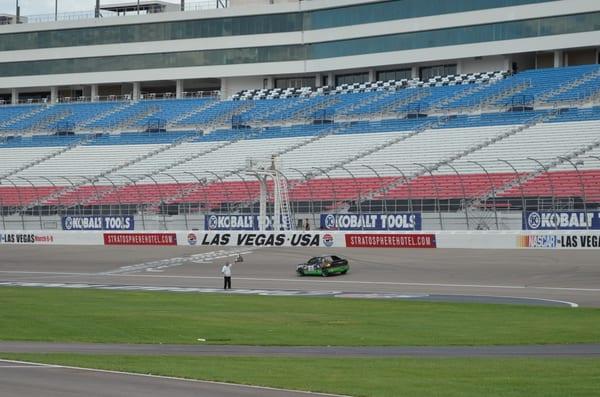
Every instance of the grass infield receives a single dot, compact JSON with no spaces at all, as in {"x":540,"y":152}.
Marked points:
{"x":387,"y":377}
{"x":69,"y":315}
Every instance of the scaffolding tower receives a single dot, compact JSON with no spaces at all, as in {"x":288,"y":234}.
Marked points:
{"x":265,"y":170}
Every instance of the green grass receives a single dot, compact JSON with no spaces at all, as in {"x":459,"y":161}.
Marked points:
{"x":67,"y":315}
{"x":387,"y":377}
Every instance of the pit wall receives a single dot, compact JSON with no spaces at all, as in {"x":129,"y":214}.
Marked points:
{"x":423,"y":240}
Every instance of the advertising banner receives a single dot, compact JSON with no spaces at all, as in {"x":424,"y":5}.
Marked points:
{"x":372,"y":240}
{"x":583,"y":241}
{"x":26,"y":238}
{"x":376,"y":222}
{"x":261,"y":239}
{"x":140,"y":238}
{"x":79,"y":223}
{"x":561,"y":220}
{"x":235,"y":222}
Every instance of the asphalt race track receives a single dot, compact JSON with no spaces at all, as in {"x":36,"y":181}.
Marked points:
{"x":536,"y":277}
{"x":34,"y":380}
{"x":578,"y":350}
{"x":506,"y":276}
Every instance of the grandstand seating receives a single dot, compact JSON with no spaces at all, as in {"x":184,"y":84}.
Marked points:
{"x":356,"y":156}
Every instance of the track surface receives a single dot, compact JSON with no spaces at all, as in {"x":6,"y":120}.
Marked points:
{"x":583,"y":350}
{"x":463,"y":275}
{"x":32,"y":380}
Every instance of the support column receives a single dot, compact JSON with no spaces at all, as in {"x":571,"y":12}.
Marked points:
{"x":136,"y":90}
{"x":459,"y":67}
{"x":270,"y":82}
{"x":318,"y":80}
{"x":53,"y":94}
{"x":94,"y":93}
{"x":558,"y":59}
{"x":372,"y":75}
{"x":414,"y":72}
{"x":179,"y":89}
{"x":330,"y":79}
{"x":14,"y":99}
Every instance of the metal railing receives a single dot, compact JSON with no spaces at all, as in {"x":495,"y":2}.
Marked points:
{"x":91,"y":14}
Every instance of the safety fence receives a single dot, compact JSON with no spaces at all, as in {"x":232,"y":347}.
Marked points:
{"x":453,"y":195}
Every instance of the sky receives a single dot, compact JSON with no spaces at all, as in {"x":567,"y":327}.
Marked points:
{"x":40,"y":7}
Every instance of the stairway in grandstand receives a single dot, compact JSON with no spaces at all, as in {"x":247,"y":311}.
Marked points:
{"x":208,"y":104}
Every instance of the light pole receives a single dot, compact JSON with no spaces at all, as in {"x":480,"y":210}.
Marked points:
{"x":18,"y":13}
{"x":55,"y":10}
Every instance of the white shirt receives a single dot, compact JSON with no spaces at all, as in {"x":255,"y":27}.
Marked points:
{"x":226,"y":270}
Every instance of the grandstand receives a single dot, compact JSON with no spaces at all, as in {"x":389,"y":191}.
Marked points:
{"x":472,"y":141}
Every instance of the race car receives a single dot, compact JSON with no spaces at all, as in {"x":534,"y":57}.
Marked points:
{"x":323,"y":266}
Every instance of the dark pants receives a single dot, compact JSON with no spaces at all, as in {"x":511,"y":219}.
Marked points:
{"x":227,"y":283}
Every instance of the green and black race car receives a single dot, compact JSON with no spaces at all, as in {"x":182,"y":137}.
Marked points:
{"x":323,"y":266}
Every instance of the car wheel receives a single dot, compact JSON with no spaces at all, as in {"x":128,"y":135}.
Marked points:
{"x":301,"y":272}
{"x":345,"y":271}
{"x":324,"y":273}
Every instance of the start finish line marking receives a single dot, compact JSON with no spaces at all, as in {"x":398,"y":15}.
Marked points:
{"x":163,"y":264}
{"x":260,"y":292}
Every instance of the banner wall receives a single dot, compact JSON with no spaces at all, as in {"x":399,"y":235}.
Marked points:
{"x":315,"y":239}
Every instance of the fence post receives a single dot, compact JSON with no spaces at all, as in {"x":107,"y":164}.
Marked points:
{"x":407,"y":182}
{"x":493,"y":186}
{"x":356,"y":185}
{"x":552,"y":191}
{"x":220,"y":179}
{"x":437,"y":193}
{"x":383,"y":202}
{"x":464,"y":192}
{"x":311,"y":205}
{"x":201,"y":182}
{"x":330,"y":182}
{"x":162,"y":200}
{"x":37,"y":196}
{"x":20,"y":211}
{"x":581,"y":185}
{"x":523,"y":204}
{"x":181,"y":192}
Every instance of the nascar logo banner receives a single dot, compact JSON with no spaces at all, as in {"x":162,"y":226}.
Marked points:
{"x":397,"y":221}
{"x":560,"y":241}
{"x":561,"y":220}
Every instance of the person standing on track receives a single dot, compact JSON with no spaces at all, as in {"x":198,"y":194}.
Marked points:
{"x":226,"y":271}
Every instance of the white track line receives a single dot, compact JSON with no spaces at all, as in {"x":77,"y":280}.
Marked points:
{"x":328,"y":281}
{"x":106,"y":371}
{"x":23,"y":364}
{"x":567,"y":303}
